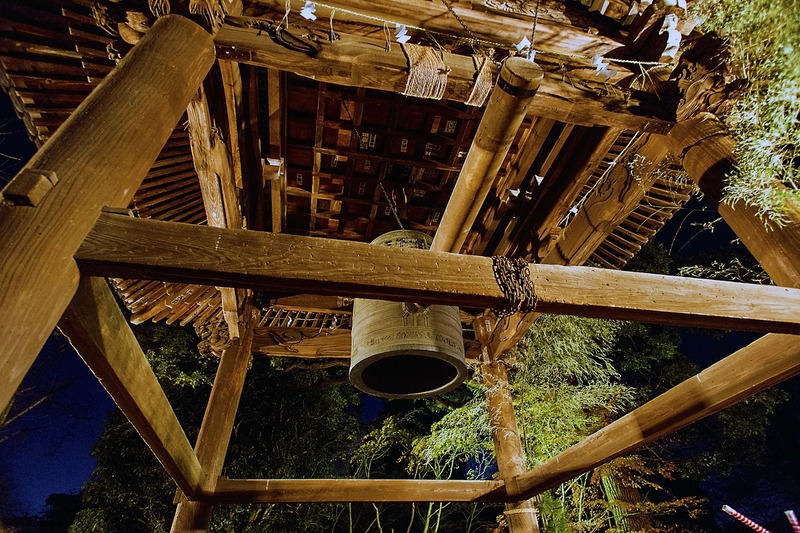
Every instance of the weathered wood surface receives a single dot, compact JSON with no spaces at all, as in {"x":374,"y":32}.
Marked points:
{"x":517,"y":85}
{"x":354,"y":490}
{"x":217,"y":185}
{"x":99,"y":332}
{"x":364,"y":62}
{"x":609,"y":204}
{"x":706,"y":149}
{"x":762,"y":364}
{"x":521,"y":515}
{"x":215,"y":430}
{"x":553,"y":35}
{"x":302,"y":342}
{"x":99,"y":155}
{"x":125,"y":247}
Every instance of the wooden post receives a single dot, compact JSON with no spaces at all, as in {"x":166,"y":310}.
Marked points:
{"x":215,"y":430}
{"x":97,"y":158}
{"x":519,"y":79}
{"x":521,"y":515}
{"x":99,"y":332}
{"x":706,"y":148}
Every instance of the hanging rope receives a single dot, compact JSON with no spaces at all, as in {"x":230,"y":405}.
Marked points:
{"x":427,"y":72}
{"x":531,"y":50}
{"x":483,"y":82}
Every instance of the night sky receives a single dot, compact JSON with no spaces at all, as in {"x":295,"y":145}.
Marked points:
{"x":50,"y":454}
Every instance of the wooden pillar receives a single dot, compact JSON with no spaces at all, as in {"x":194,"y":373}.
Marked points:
{"x":97,"y":158}
{"x":517,"y":84}
{"x":521,"y":515}
{"x":215,"y":430}
{"x":706,"y":148}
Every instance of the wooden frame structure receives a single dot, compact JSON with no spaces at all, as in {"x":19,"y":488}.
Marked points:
{"x":52,"y":210}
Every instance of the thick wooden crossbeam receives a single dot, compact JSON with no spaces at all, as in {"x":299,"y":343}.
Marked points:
{"x":762,"y":364}
{"x":97,"y":329}
{"x":355,"y":490}
{"x":364,"y":62}
{"x":126,"y":247}
{"x":97,"y":158}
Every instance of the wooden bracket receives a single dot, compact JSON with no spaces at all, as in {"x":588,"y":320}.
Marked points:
{"x":30,"y":186}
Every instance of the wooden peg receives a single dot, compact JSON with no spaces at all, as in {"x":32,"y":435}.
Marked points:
{"x":30,"y":186}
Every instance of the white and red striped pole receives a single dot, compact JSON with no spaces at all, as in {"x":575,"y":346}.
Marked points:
{"x":744,"y":520}
{"x":793,"y":520}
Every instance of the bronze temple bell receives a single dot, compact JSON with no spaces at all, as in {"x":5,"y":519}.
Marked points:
{"x":403,"y":350}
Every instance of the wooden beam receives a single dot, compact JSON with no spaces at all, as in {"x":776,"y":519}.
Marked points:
{"x":217,"y":185}
{"x":99,"y":332}
{"x":519,"y":79}
{"x":117,"y":131}
{"x":363,"y":62}
{"x":610,"y":203}
{"x":762,"y":364}
{"x":274,"y":170}
{"x":308,"y":343}
{"x":355,"y":490}
{"x":551,"y":35}
{"x":706,"y":149}
{"x":135,"y":248}
{"x":215,"y":430}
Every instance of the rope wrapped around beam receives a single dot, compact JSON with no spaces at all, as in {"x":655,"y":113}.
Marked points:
{"x":483,"y":82}
{"x":427,"y":72}
{"x":514,"y":279}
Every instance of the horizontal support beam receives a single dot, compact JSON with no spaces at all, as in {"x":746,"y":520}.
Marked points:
{"x":762,"y":364}
{"x":354,"y":490}
{"x":364,"y":62}
{"x":97,"y":329}
{"x":126,"y":247}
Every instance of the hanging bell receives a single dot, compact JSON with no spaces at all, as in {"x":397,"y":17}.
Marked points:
{"x":403,"y":350}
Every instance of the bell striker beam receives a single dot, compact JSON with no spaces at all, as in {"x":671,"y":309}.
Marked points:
{"x":516,"y":86}
{"x":97,"y":158}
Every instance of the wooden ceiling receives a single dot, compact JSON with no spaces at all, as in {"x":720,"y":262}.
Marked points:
{"x":315,"y":158}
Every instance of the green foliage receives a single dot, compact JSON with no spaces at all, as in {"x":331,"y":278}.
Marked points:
{"x":565,"y":386}
{"x":765,"y":39}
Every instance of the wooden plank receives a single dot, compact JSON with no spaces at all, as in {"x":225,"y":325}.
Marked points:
{"x":762,"y":364}
{"x":99,"y":332}
{"x":215,"y":430}
{"x":363,"y":62}
{"x":355,"y":490}
{"x":308,"y":343}
{"x":517,"y":85}
{"x":117,"y":131}
{"x":125,"y":247}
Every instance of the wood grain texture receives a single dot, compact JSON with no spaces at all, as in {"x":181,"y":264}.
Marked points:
{"x":706,"y":148}
{"x":215,"y":430}
{"x":100,"y":156}
{"x":355,"y":490}
{"x":99,"y":332}
{"x":364,"y":62}
{"x":762,"y":364}
{"x":133,"y":248}
{"x":496,"y":131}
